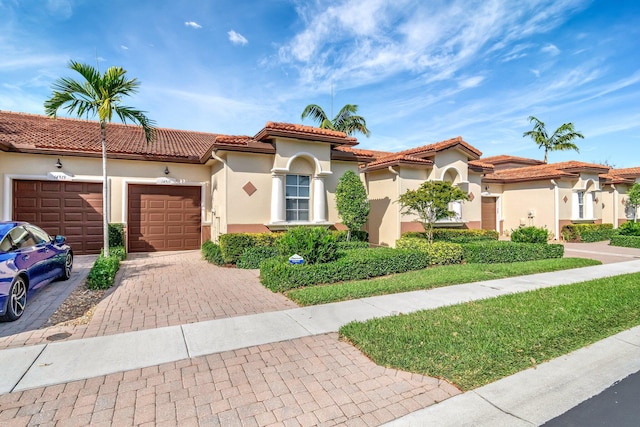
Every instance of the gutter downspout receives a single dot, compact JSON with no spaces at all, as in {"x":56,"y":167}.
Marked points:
{"x":214,"y":156}
{"x":615,"y":206}
{"x":398,"y":208}
{"x":556,"y":210}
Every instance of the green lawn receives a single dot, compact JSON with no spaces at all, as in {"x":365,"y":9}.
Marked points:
{"x":477,"y":343}
{"x":430,"y":278}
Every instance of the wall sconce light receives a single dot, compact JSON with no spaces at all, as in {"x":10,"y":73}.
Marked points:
{"x":58,"y":164}
{"x":486,"y":188}
{"x":166,"y":170}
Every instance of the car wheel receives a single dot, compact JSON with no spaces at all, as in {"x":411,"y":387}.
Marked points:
{"x":68,"y":265}
{"x":17,"y":300}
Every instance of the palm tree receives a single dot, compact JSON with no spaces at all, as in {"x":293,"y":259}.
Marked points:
{"x":101,"y":95}
{"x":559,"y":141}
{"x":345,"y":121}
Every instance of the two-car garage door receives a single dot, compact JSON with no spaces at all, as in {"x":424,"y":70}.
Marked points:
{"x":160,"y":217}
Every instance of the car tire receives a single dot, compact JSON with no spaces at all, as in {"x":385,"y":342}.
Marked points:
{"x":17,"y":300}
{"x":68,"y":266}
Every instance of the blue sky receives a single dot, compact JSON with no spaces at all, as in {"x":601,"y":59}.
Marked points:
{"x":420,"y":71}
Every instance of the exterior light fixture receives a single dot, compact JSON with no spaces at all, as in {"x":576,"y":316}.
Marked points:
{"x":166,"y":170}
{"x":58,"y":164}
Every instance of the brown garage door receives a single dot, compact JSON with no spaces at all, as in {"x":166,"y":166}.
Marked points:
{"x":72,"y":209}
{"x":163,"y":218}
{"x":488,"y":213}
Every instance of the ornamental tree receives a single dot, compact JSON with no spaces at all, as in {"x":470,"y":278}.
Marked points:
{"x":430,"y":202}
{"x":633,"y":199}
{"x":352,"y":203}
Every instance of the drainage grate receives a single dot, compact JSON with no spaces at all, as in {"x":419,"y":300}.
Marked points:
{"x":57,"y":337}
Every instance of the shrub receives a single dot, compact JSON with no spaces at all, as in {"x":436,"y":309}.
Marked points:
{"x":454,"y":235}
{"x":314,"y":244}
{"x":626,"y":241}
{"x":356,"y":235}
{"x":440,"y":253}
{"x":530,"y":235}
{"x":118,"y":252}
{"x":629,"y":228}
{"x":116,"y":235}
{"x":353,"y":244}
{"x":212,"y":253}
{"x":587,"y":232}
{"x":252,"y":257}
{"x":233,"y":245}
{"x":279,"y":276}
{"x":103,"y":272}
{"x":501,"y":251}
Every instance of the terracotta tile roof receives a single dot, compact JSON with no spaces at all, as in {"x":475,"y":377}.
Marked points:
{"x":36,"y":133}
{"x":305,"y":132}
{"x":504,"y":158}
{"x":626,"y":172}
{"x":356,"y":151}
{"x":480,"y":165}
{"x":429,"y":149}
{"x":396,"y":159}
{"x":608,"y":178}
{"x":234,"y":139}
{"x":569,"y":169}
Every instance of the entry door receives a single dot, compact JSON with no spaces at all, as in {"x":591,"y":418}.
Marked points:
{"x":489,"y":213}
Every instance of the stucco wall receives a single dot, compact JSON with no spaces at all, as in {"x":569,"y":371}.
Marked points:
{"x":287,"y":149}
{"x":519,"y":199}
{"x":331,"y":182}
{"x":384,"y":222}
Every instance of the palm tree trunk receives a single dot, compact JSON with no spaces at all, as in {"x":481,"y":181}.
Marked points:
{"x":105,"y":198}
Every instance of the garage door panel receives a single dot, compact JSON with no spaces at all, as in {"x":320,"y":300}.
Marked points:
{"x":71,"y":209}
{"x":163,"y":218}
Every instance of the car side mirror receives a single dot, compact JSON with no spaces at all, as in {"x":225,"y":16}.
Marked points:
{"x":59,"y":240}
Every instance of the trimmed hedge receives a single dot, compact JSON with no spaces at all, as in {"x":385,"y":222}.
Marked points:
{"x":502,"y":251}
{"x":116,"y":234}
{"x":625,"y":241}
{"x":252,"y":257}
{"x":440,"y":253}
{"x":455,"y":235}
{"x":279,"y":276}
{"x":103,"y":272}
{"x":234,"y":244}
{"x":345,"y":246}
{"x":212,"y":253}
{"x":530,"y":235}
{"x":315,"y":244}
{"x":629,"y":228}
{"x":356,"y":236}
{"x":587,"y":232}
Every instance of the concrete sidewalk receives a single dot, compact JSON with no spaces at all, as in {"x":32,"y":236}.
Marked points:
{"x":43,"y":365}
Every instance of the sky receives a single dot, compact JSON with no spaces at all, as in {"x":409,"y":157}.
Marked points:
{"x":420,"y":71}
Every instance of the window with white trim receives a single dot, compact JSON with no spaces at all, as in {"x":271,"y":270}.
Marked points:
{"x":580,"y":204}
{"x":297,"y":197}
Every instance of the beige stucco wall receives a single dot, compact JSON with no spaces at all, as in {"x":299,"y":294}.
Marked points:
{"x":120,"y":172}
{"x":331,"y":182}
{"x":448,"y":160}
{"x":384,"y":221}
{"x":286,"y":149}
{"x":519,"y":199}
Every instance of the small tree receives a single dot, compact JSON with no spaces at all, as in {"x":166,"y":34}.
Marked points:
{"x":633,"y":200}
{"x":352,"y":203}
{"x":430,"y":202}
{"x":559,"y":141}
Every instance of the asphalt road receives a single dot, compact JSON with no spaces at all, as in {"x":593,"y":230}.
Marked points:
{"x":618,"y":406}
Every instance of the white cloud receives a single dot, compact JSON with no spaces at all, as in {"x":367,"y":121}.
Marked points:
{"x":470,"y":82}
{"x":60,"y":8}
{"x":551,"y":49}
{"x":237,"y":38}
{"x":123,"y":47}
{"x":193,"y":24}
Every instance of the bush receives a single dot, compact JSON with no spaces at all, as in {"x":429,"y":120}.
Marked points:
{"x":314,"y":244}
{"x":530,"y":235}
{"x":501,"y":251}
{"x":279,"y":276}
{"x":629,"y":228}
{"x":116,"y":235}
{"x":356,"y":236}
{"x":103,"y":272}
{"x":233,"y":245}
{"x":440,"y":253}
{"x":626,"y":241}
{"x":212,"y":253}
{"x":353,"y":244}
{"x":252,"y":257}
{"x":454,"y":235}
{"x":587,"y":232}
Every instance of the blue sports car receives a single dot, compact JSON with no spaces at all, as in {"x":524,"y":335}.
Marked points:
{"x":29,"y":259}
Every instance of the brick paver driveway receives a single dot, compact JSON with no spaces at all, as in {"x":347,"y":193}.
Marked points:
{"x":316,"y":380}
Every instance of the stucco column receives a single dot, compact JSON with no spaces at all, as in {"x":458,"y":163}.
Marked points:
{"x":319,"y":200}
{"x":277,"y":197}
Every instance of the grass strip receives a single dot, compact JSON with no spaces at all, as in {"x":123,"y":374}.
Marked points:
{"x":429,"y":278}
{"x":476,"y":343}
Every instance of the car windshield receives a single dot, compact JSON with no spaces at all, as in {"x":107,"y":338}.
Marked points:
{"x":39,"y":234}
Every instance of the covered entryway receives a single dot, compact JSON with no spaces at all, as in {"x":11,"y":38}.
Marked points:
{"x":72,"y":209}
{"x":163,"y":218}
{"x":489,"y":213}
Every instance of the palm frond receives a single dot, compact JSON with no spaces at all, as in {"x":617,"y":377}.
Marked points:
{"x":316,"y":113}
